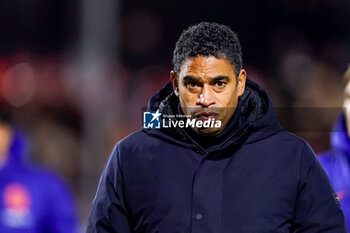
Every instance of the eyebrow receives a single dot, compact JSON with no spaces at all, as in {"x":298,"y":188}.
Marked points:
{"x":190,"y":78}
{"x":220,"y":78}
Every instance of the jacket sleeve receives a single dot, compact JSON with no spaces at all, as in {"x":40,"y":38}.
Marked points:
{"x":108,"y":211}
{"x":317,"y":207}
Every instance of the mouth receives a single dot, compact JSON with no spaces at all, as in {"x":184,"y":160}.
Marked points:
{"x":205,"y":116}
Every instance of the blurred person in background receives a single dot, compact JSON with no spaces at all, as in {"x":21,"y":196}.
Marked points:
{"x":248,"y":175}
{"x":32,"y":199}
{"x":336,"y":161}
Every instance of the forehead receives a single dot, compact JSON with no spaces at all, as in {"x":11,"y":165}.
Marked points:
{"x":206,"y":66}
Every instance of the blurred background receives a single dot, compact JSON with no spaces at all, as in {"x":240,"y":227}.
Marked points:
{"x":77,"y":73}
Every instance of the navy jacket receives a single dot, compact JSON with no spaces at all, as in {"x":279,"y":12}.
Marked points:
{"x":261,"y":179}
{"x":336,"y":163}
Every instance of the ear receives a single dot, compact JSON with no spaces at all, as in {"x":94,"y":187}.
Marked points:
{"x":242,"y":77}
{"x":175,"y":82}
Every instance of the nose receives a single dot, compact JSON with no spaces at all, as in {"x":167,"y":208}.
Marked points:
{"x":206,"y":97}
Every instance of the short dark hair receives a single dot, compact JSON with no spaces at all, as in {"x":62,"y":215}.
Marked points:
{"x":208,"y":39}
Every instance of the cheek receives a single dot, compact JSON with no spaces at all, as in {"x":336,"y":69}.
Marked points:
{"x":188,"y":99}
{"x":228,"y":100}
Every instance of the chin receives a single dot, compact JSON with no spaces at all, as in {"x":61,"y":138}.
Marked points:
{"x":208,"y":132}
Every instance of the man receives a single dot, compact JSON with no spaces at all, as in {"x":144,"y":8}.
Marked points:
{"x":32,"y":200}
{"x":336,"y":161}
{"x":242,"y":174}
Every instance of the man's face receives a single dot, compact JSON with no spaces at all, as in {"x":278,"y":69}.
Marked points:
{"x":207,"y":88}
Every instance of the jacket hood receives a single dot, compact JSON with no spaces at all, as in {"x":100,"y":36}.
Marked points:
{"x":339,"y":136}
{"x":258,"y":118}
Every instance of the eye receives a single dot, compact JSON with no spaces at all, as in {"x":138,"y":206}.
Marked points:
{"x":193,"y":86}
{"x":220,"y":84}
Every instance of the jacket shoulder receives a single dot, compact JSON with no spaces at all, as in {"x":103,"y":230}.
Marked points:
{"x":290,"y":137}
{"x":136,"y":144}
{"x":287,"y":141}
{"x":136,"y":139}
{"x":292,"y":146}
